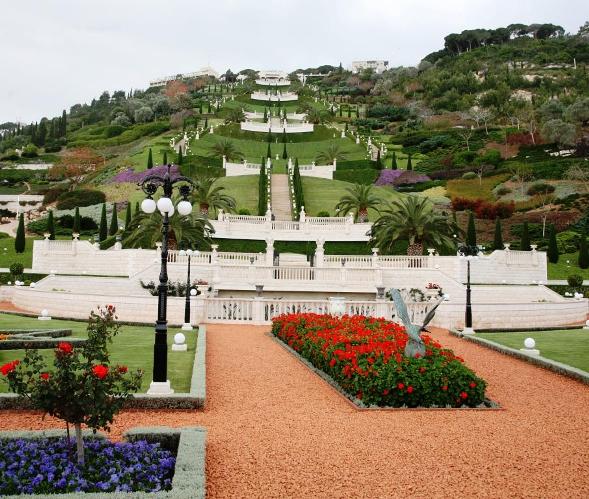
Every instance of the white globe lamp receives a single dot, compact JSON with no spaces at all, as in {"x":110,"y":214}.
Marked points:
{"x":184,"y":208}
{"x":165,"y":205}
{"x":148,"y":206}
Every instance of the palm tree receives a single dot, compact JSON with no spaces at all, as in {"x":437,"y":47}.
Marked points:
{"x":329,"y":155}
{"x":235,"y":116}
{"x":145,"y":230}
{"x":209,"y":195}
{"x":358,"y":200}
{"x":225,"y":147}
{"x":413,"y":219}
{"x":316,"y":116}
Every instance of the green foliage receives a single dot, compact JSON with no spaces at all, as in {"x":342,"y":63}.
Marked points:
{"x":498,"y":239}
{"x":77,"y":222}
{"x":19,"y":241}
{"x":263,"y":190}
{"x":51,"y":225}
{"x":114,"y":222}
{"x":78,"y":198}
{"x":394,"y":165}
{"x":149,"y":160}
{"x":575,"y":281}
{"x":128,"y":216}
{"x":471,"y":231}
{"x":297,"y":185}
{"x":525,"y":244}
{"x":552,"y":246}
{"x":409,"y":164}
{"x":583,"y":253}
{"x":363,"y":176}
{"x":358,"y":200}
{"x":93,"y":136}
{"x":103,"y":228}
{"x":16,"y":269}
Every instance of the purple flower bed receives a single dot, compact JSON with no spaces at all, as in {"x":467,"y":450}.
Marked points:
{"x":129,"y":175}
{"x":387,"y":177}
{"x":400,"y":177}
{"x":49,"y":466}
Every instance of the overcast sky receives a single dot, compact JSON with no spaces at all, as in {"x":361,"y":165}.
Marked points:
{"x":60,"y":52}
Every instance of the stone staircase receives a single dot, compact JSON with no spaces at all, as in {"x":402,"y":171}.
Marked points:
{"x":280,"y":197}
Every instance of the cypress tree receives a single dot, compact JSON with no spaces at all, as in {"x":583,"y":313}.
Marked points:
{"x":340,"y":111}
{"x":394,"y":162}
{"x":200,"y":108}
{"x":19,"y":241}
{"x":102,"y":229}
{"x":583,"y":253}
{"x":137,"y":208}
{"x":471,"y":231}
{"x":180,"y":155}
{"x":552,"y":246}
{"x":525,"y":239}
{"x":409,"y":165}
{"x":269,"y":152}
{"x":284,"y":136}
{"x":128,"y":216}
{"x":63,"y":123}
{"x":51,"y":225}
{"x":165,"y":160}
{"x":265,"y":114}
{"x":209,"y":108}
{"x":378,"y":161}
{"x":114,"y":222}
{"x":77,"y":222}
{"x":206,"y":123}
{"x":349,"y":111}
{"x":284,"y":113}
{"x":269,"y":137}
{"x":498,"y":240}
{"x":149,"y":160}
{"x":284,"y":153}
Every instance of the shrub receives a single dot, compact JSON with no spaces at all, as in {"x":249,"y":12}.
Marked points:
{"x":81,"y":197}
{"x":502,"y":191}
{"x":244,"y":211}
{"x":86,"y":223}
{"x":30,"y":151}
{"x":567,"y":242}
{"x":52,"y":194}
{"x":16,"y":269}
{"x":540,"y":188}
{"x":323,"y":214}
{"x":365,"y":356}
{"x":469,"y":176}
{"x":484,"y":209}
{"x":575,"y":280}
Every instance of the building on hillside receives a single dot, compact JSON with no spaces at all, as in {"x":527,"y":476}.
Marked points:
{"x":377,"y":66}
{"x":272,"y":74}
{"x":206,"y":71}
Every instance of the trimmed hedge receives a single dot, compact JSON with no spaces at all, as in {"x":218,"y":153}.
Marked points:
{"x":364,"y":176}
{"x":81,"y":197}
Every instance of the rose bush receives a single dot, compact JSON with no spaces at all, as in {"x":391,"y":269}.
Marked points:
{"x":365,"y":357}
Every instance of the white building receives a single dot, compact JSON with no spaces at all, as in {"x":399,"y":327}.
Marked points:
{"x":273,"y":74}
{"x":378,"y":66}
{"x":206,"y":71}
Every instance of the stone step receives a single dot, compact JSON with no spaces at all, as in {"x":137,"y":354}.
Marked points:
{"x":280,"y":197}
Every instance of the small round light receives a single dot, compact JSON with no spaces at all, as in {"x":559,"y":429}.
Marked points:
{"x":165,"y":205}
{"x":181,"y":253}
{"x":184,"y":208}
{"x":193,"y":292}
{"x":44,"y":312}
{"x":189,"y":252}
{"x":529,"y":343}
{"x":148,"y":206}
{"x":179,"y":339}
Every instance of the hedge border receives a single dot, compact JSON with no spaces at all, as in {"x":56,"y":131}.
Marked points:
{"x":37,"y":338}
{"x":537,"y":360}
{"x":194,"y":399}
{"x":358,"y":405}
{"x":188,"y":443}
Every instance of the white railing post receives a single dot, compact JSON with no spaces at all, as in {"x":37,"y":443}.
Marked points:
{"x":258,"y":310}
{"x":220,"y":215}
{"x":320,"y":253}
{"x":430,"y":258}
{"x":224,"y":157}
{"x":269,"y":252}
{"x":349,"y":222}
{"x":374,"y":259}
{"x":534,"y":254}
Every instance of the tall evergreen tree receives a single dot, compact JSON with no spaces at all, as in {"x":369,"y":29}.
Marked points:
{"x":63,"y":123}
{"x":552,"y":246}
{"x":77,"y":222}
{"x":284,"y":153}
{"x":269,"y":152}
{"x":114,"y":221}
{"x":409,"y":165}
{"x":209,"y":109}
{"x":525,"y":238}
{"x":180,"y":155}
{"x":284,"y":135}
{"x":165,"y":160}
{"x":378,"y":161}
{"x":269,"y":137}
{"x":349,"y":111}
{"x":265,"y":114}
{"x":394,"y":165}
{"x":102,"y":228}
{"x":583,"y":253}
{"x":149,"y":160}
{"x":206,"y":123}
{"x":128,"y":216}
{"x":137,"y":208}
{"x":20,"y":241}
{"x":51,"y":225}
{"x":498,"y":240}
{"x":471,"y":231}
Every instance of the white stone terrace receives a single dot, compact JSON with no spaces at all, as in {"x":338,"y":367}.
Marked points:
{"x":255,"y":115}
{"x":273,"y":82}
{"x":245,"y":168}
{"x":279,"y":97}
{"x":276,"y":126}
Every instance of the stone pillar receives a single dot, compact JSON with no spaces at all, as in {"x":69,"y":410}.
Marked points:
{"x":349,"y":222}
{"x":430,"y":258}
{"x":258,"y":310}
{"x":357,"y":139}
{"x":118,"y":243}
{"x":334,"y":164}
{"x":214,"y":253}
{"x":320,"y":253}
{"x":374,"y":259}
{"x":534,"y":254}
{"x":302,"y":215}
{"x":269,"y":252}
{"x":220,"y":215}
{"x":158,"y":250}
{"x":197,"y":307}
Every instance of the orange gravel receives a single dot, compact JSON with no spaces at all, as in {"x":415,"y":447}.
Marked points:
{"x":277,"y":430}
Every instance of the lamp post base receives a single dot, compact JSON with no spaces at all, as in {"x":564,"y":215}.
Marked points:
{"x":160,"y":388}
{"x":186,"y":327}
{"x":530,"y":351}
{"x":468,"y":330}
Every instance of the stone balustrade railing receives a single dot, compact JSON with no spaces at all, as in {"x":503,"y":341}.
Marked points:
{"x":280,"y":97}
{"x":274,"y":127}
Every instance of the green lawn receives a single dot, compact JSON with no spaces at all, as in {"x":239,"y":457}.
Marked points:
{"x":8,"y":256}
{"x":562,"y":269}
{"x":323,"y":195}
{"x":570,"y":347}
{"x":133,"y":347}
{"x":244,"y":189}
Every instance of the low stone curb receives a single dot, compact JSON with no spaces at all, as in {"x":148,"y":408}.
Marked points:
{"x":194,"y":399}
{"x":537,"y":360}
{"x":189,"y":445}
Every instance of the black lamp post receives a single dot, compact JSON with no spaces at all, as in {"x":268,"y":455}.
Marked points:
{"x":468,"y":251}
{"x":189,"y":253}
{"x":150,"y":185}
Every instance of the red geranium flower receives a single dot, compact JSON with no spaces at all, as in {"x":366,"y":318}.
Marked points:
{"x":332,"y":362}
{"x":445,"y":388}
{"x":9,"y":367}
{"x":123,"y":369}
{"x":100,"y":371}
{"x":409,"y":389}
{"x":463,"y":395}
{"x":65,"y":347}
{"x":385,"y":392}
{"x":400,"y":386}
{"x":110,"y":308}
{"x":45,"y":376}
{"x":472,"y":384}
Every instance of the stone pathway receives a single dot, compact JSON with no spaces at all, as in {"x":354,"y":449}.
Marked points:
{"x":277,"y":430}
{"x":280,"y":197}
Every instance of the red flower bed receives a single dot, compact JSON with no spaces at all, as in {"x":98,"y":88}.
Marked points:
{"x":484,"y":209}
{"x":365,"y":357}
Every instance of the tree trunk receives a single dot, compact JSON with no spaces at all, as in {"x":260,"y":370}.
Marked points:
{"x":79,"y":443}
{"x":362,"y":215}
{"x":204,"y":209}
{"x":415,"y":249}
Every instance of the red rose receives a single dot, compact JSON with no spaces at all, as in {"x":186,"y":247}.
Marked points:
{"x":463,"y":395}
{"x":123,"y":369}
{"x":445,"y":388}
{"x":385,"y":392}
{"x":332,"y":362}
{"x":409,"y":389}
{"x":110,"y":309}
{"x":472,"y":384}
{"x":7,"y":368}
{"x":65,"y":347}
{"x":45,"y":376}
{"x":100,"y":371}
{"x":400,"y":386}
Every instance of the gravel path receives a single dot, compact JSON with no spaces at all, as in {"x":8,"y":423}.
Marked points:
{"x":277,"y":430}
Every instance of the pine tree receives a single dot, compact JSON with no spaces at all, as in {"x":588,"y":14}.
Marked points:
{"x":409,"y":165}
{"x":265,"y":114}
{"x":471,"y":231}
{"x":378,"y":161}
{"x":269,"y":152}
{"x":114,"y":221}
{"x":77,"y":222}
{"x":200,"y":108}
{"x":284,"y":153}
{"x":165,"y":160}
{"x":394,"y":162}
{"x":128,"y":216}
{"x":269,"y":137}
{"x":180,"y":155}
{"x":552,"y":246}
{"x":51,"y":225}
{"x":103,"y":229}
{"x":20,"y":241}
{"x":149,"y":160}
{"x":583,"y":253}
{"x":498,"y":240}
{"x":137,"y":208}
{"x":525,"y":238}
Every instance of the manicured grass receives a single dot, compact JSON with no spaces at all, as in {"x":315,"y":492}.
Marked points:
{"x":570,"y":347}
{"x":133,"y":347}
{"x":475,"y":188}
{"x":323,"y":195}
{"x":244,"y":189}
{"x":562,"y":269}
{"x":8,"y":256}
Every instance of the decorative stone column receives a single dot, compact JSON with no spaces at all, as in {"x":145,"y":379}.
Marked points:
{"x":320,"y":253}
{"x":220,"y":215}
{"x":374,"y":258}
{"x":534,"y":254}
{"x":269,"y":252}
{"x":431,"y":254}
{"x":214,"y":254}
{"x":349,"y":222}
{"x":118,"y":243}
{"x":302,"y":215}
{"x":224,"y":161}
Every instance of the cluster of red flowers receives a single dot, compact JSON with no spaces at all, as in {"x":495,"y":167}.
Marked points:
{"x":100,"y":371}
{"x":65,"y":348}
{"x":366,"y":357}
{"x":7,"y":368}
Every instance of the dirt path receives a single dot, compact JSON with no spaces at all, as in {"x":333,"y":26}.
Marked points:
{"x":277,"y":430}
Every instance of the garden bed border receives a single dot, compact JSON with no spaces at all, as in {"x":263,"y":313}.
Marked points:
{"x":189,"y":472}
{"x":358,"y":404}
{"x":537,"y":360}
